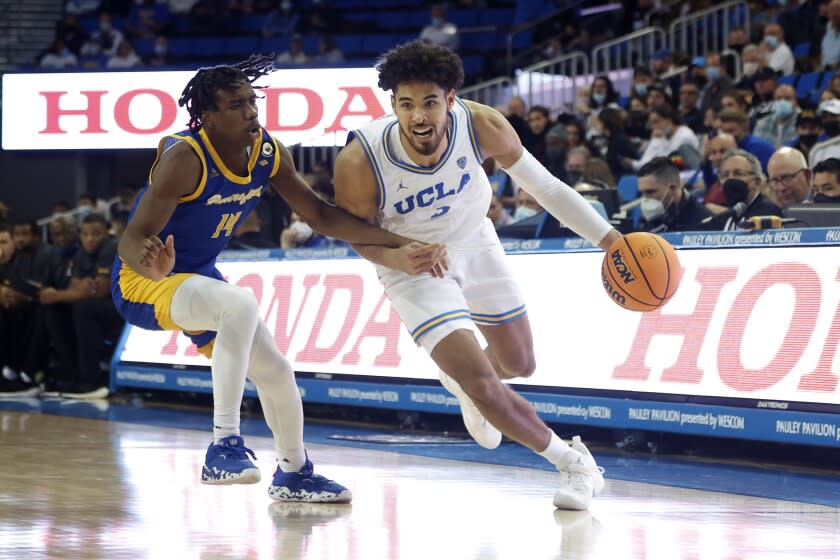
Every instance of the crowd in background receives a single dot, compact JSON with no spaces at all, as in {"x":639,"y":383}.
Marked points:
{"x":697,"y":144}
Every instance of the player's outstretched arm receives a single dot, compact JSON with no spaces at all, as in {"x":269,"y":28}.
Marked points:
{"x":355,"y":191}
{"x":499,"y":141}
{"x":176,"y":175}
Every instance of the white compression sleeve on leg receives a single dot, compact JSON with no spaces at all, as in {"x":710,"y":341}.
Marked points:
{"x":558,"y":198}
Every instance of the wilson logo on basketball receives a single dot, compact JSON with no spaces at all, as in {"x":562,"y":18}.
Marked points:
{"x":621,"y":268}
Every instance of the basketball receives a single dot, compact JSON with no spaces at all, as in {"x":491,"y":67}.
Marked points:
{"x":641,"y":271}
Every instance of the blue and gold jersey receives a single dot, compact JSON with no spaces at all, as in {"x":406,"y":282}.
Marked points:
{"x":202,"y":225}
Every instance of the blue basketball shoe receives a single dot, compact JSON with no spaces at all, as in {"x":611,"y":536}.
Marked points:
{"x":227,"y":462}
{"x":305,"y":486}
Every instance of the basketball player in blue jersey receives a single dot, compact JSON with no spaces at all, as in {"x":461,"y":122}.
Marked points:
{"x":206,"y":180}
{"x":417,"y":172}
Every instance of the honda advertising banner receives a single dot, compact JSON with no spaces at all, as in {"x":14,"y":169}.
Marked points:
{"x":114,"y":110}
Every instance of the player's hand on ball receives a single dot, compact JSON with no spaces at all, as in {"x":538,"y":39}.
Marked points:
{"x":421,"y":258}
{"x":157,"y":258}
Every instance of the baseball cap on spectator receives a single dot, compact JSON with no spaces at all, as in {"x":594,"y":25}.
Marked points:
{"x":698,"y":61}
{"x":765,"y":73}
{"x":807,"y":117}
{"x":661,"y":54}
{"x":831,"y":106}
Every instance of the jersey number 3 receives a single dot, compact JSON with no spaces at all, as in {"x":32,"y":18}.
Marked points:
{"x":226,"y":224}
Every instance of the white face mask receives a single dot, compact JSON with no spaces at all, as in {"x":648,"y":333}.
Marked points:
{"x":302,"y":230}
{"x":523,"y":212}
{"x":652,"y":208}
{"x":750,"y":68}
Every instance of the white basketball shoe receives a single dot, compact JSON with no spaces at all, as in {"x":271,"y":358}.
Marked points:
{"x":576,"y":485}
{"x":589,"y":461}
{"x":482,"y":431}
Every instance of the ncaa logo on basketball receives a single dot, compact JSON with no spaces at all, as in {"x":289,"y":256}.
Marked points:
{"x":267,"y":149}
{"x":621,"y":268}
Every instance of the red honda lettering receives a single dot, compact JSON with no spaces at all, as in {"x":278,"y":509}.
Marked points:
{"x":313,"y":353}
{"x":314,"y":109}
{"x":54,"y":112}
{"x":807,"y":297}
{"x":692,"y":327}
{"x":389,"y":330}
{"x":171,"y":347}
{"x":373,"y":108}
{"x":253,"y":282}
{"x":822,"y":379}
{"x":168,"y":111}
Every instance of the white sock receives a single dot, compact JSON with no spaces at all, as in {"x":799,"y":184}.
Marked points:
{"x":558,"y":452}
{"x":224,"y":426}
{"x":291,"y":460}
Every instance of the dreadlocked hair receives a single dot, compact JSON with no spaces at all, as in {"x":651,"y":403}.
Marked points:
{"x":200,"y":93}
{"x":418,"y":61}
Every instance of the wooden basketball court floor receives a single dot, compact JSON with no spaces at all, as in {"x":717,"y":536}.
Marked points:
{"x":81,"y":488}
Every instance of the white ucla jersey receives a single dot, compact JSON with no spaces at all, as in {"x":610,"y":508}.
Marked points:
{"x":444,"y":203}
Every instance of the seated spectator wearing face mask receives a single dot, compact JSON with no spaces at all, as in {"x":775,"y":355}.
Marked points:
{"x":779,"y":128}
{"x":665,"y":204}
{"x":498,"y":214}
{"x":743,"y":181}
{"x":827,"y":181}
{"x":526,"y":206}
{"x":829,"y":113}
{"x":808,"y":131}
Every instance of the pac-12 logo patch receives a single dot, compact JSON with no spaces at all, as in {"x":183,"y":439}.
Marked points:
{"x":462,"y":162}
{"x":267,"y":149}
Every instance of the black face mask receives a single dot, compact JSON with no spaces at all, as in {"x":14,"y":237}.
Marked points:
{"x":735,"y":191}
{"x":826,"y":198}
{"x":832,"y":128}
{"x":808,"y":139}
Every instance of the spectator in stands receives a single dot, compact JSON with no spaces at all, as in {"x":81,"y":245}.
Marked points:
{"x":118,"y":222}
{"x":602,"y":95}
{"x":665,"y":204}
{"x":275,"y":214}
{"x":439,"y":31}
{"x":90,"y":55}
{"x":526,"y":206}
{"x":668,"y":136}
{"x":718,"y":83}
{"x":789,"y":177}
{"x":248,"y":235}
{"x":713,"y":150}
{"x":69,"y":31}
{"x":497,"y":213}
{"x":328,"y":52}
{"x":690,"y":107}
{"x":576,"y":136}
{"x":160,"y":52}
{"x":642,"y":80}
{"x":553,"y":48}
{"x":539,"y":122}
{"x":764,"y":88}
{"x":735,"y":100}
{"x":94,"y":316}
{"x":619,"y":148}
{"x":780,"y":128}
{"x":281,"y":21}
{"x":108,"y":37}
{"x":125,"y":57}
{"x":778,"y":54}
{"x":808,"y":130}
{"x":831,"y":40}
{"x":834,"y":85}
{"x":59,"y":56}
{"x":827,"y":181}
{"x":598,"y":172}
{"x":516,"y":113}
{"x":661,"y":63}
{"x":295,"y":54}
{"x":575,"y":165}
{"x":751,"y":61}
{"x":322,"y":181}
{"x":637,"y":120}
{"x":743,"y":181}
{"x":829,"y":113}
{"x":657,"y":95}
{"x":300,"y":234}
{"x":180,"y":6}
{"x":738,"y":39}
{"x":737,"y":124}
{"x":4,"y":212}
{"x":147,"y":19}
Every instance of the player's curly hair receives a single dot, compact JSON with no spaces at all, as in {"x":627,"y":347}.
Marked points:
{"x":418,"y":61}
{"x":200,"y":93}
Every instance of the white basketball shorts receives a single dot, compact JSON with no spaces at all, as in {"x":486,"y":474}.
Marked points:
{"x":479,"y":288}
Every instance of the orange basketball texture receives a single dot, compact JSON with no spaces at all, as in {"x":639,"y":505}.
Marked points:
{"x":641,"y":271}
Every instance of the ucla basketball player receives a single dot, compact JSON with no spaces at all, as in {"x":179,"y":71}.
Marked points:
{"x":417,"y":172}
{"x":206,"y":180}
